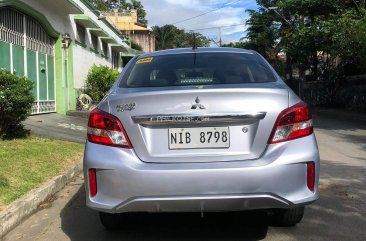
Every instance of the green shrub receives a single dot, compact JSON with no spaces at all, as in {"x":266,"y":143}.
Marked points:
{"x":100,"y":79}
{"x":16,"y":100}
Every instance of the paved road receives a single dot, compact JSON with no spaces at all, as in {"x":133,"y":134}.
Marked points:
{"x":340,"y":214}
{"x":58,"y":126}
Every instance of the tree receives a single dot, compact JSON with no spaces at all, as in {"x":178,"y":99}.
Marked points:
{"x":99,"y":4}
{"x":141,"y":13}
{"x":165,"y":36}
{"x":169,"y":37}
{"x":242,"y":45}
{"x":136,"y":46}
{"x":263,"y":32}
{"x":321,"y":38}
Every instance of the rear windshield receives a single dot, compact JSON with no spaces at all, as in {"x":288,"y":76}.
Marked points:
{"x":197,"y":69}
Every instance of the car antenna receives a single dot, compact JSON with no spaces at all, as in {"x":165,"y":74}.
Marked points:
{"x":194,"y":41}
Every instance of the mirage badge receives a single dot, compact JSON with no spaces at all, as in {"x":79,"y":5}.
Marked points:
{"x":126,"y":107}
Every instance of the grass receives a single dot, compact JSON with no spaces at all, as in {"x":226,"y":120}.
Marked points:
{"x":27,"y":163}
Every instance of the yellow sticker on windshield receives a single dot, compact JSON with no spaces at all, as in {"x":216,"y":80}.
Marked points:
{"x":144,"y":60}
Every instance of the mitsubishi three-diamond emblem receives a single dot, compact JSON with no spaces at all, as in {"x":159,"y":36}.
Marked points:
{"x":198,"y":105}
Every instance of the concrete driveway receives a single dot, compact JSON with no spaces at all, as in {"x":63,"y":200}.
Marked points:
{"x":57,"y":126}
{"x":340,"y":214}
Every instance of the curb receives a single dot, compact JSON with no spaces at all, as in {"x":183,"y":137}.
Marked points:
{"x":28,"y":204}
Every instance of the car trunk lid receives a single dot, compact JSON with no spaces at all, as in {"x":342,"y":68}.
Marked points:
{"x":157,"y":121}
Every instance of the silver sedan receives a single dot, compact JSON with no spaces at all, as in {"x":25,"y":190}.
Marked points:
{"x":200,"y":130}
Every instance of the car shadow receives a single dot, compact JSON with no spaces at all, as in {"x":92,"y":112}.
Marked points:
{"x":81,"y":223}
{"x":335,"y":122}
{"x":339,"y":214}
{"x":349,"y":130}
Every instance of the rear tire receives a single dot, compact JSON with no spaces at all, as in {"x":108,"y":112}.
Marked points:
{"x":288,"y":217}
{"x":113,"y":221}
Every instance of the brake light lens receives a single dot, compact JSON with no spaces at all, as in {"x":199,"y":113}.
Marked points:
{"x":292,"y":123}
{"x":311,"y":176}
{"x":93,"y":182}
{"x":106,"y":129}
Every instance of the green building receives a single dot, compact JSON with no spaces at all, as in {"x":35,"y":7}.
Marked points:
{"x":55,"y":43}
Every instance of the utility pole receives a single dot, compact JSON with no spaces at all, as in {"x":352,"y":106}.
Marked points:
{"x":288,"y":58}
{"x":194,"y":41}
{"x":274,"y":9}
{"x":220,"y":40}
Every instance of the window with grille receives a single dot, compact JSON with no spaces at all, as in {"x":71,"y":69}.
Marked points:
{"x":94,"y":40}
{"x":105,"y":49}
{"x":81,"y":33}
{"x":11,"y":26}
{"x":37,"y":38}
{"x":115,"y":60}
{"x":24,"y":31}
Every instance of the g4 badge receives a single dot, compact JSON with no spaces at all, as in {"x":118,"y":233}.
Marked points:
{"x":126,"y":107}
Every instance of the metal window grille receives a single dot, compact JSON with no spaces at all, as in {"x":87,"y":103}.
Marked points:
{"x":23,"y":30}
{"x":115,"y":58}
{"x":81,"y":33}
{"x":105,"y":49}
{"x":11,"y":26}
{"x":37,"y":38}
{"x":43,"y":107}
{"x":94,"y":40}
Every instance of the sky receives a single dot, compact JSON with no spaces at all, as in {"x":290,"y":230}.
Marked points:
{"x":161,"y":12}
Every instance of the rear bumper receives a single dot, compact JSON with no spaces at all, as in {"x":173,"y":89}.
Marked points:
{"x":204,"y":203}
{"x":276,"y":180}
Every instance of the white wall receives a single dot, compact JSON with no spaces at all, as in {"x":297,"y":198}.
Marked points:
{"x":83,"y":61}
{"x":56,"y":12}
{"x":60,"y":15}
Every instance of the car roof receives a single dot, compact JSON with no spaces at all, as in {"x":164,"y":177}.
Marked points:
{"x":197,"y":50}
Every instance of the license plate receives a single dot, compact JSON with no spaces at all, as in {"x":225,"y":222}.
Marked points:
{"x":199,"y":138}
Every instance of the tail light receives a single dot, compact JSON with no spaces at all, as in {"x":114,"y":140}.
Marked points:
{"x":106,"y":129}
{"x":292,"y":123}
{"x":92,"y":182}
{"x":311,"y":175}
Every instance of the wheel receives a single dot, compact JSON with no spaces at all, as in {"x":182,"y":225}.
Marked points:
{"x":113,"y":221}
{"x":288,"y":217}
